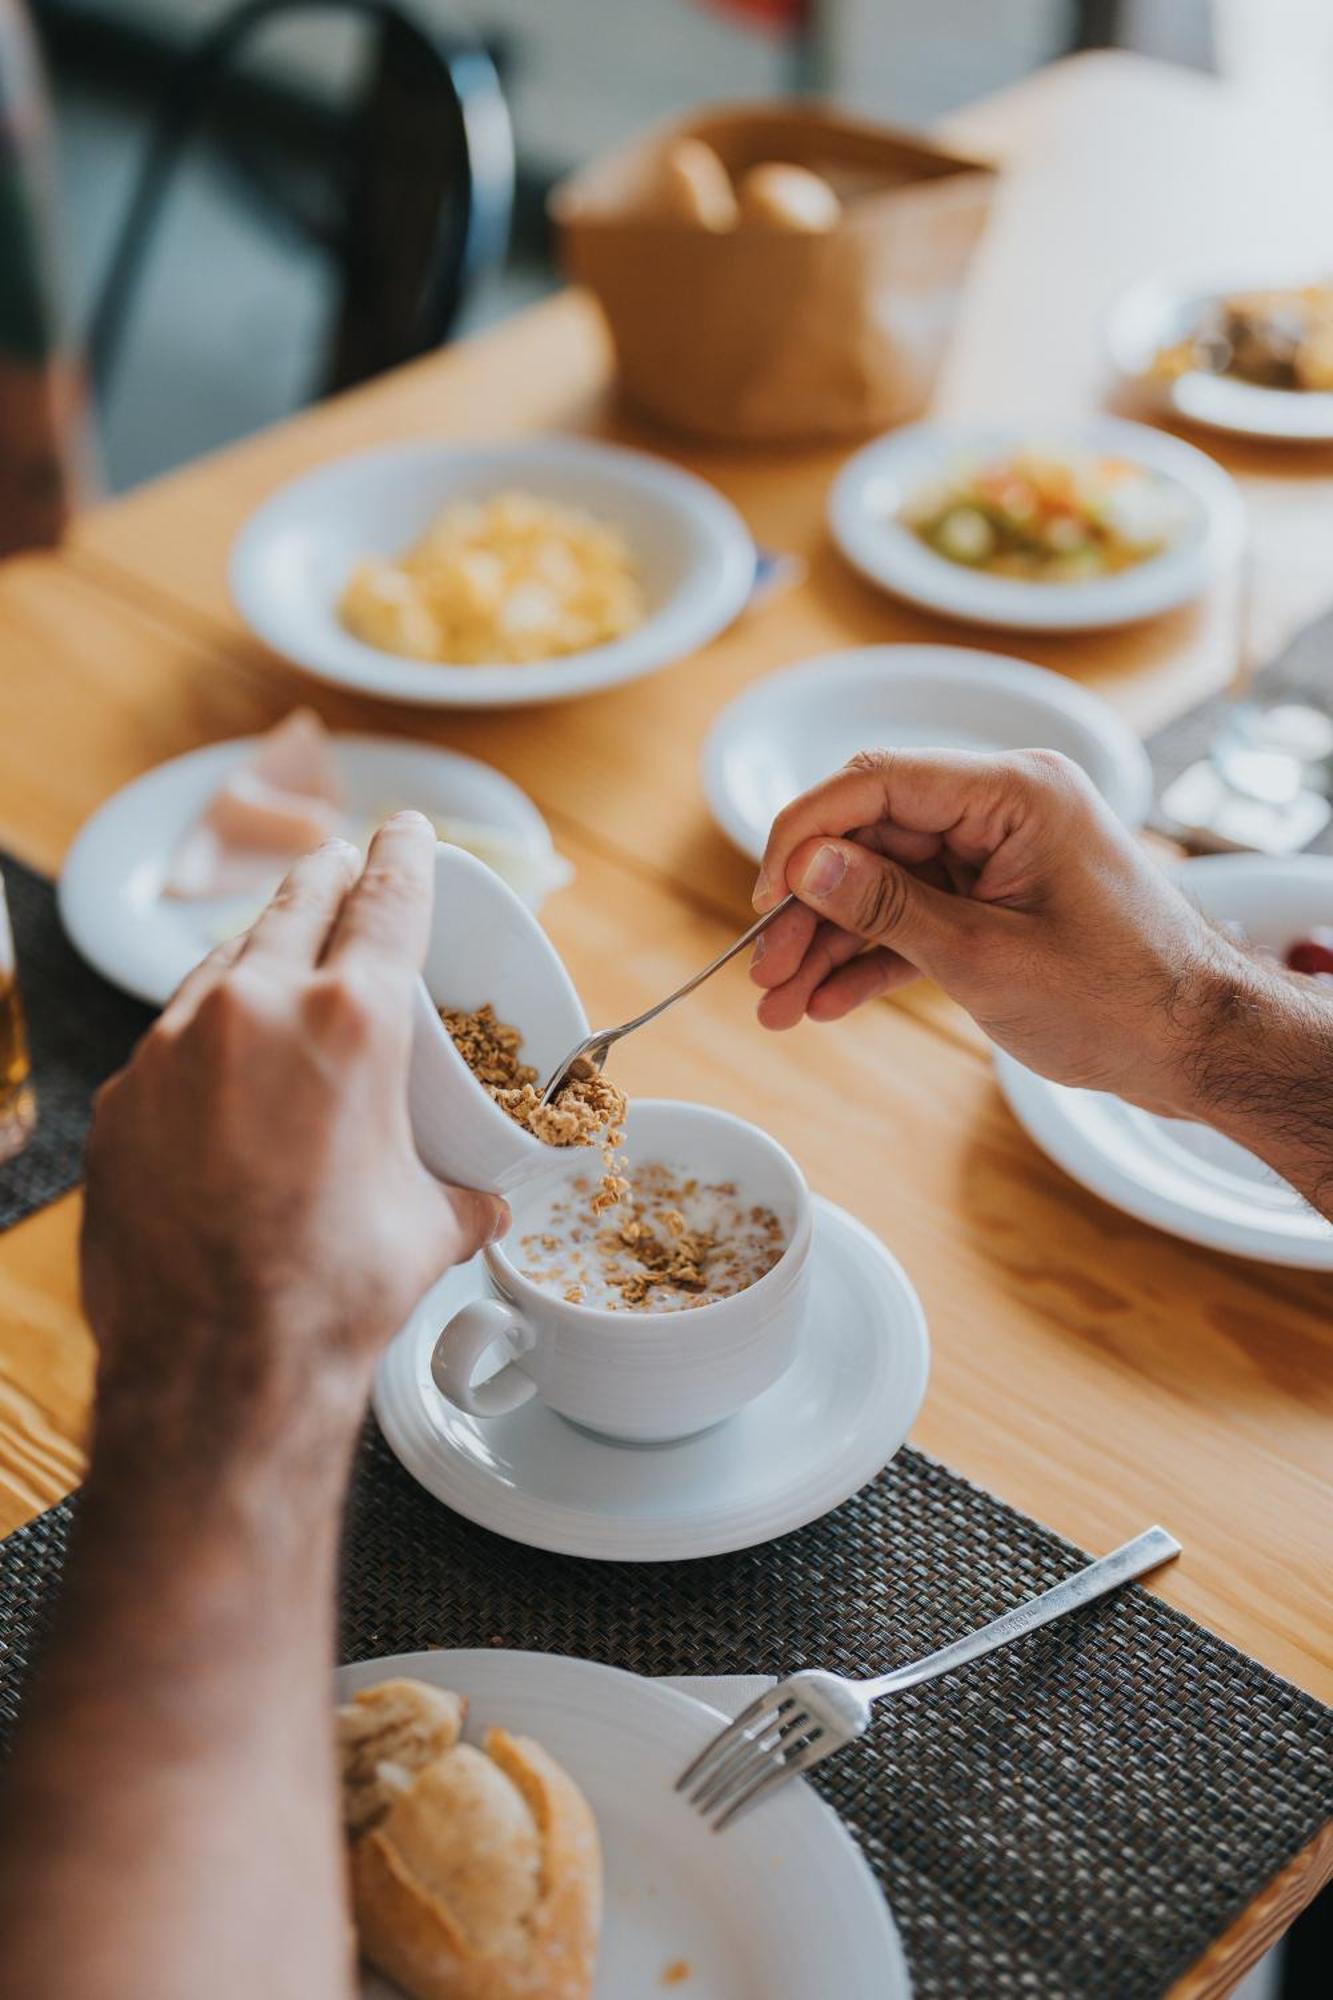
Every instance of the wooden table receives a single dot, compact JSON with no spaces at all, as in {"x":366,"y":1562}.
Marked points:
{"x":1093,"y":1372}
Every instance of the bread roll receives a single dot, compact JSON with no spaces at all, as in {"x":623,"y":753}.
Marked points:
{"x":692,"y":185}
{"x":779,"y":196}
{"x":478,"y":1876}
{"x":385,"y":1736}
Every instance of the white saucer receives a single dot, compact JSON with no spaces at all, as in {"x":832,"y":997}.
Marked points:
{"x":293,"y":556}
{"x":874,"y":486}
{"x":782,"y":1905}
{"x":792,"y":728}
{"x":1160,"y":312}
{"x":1182,"y":1177}
{"x":110,"y":890}
{"x":834,"y":1420}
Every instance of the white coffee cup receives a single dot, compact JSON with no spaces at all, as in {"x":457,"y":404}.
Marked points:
{"x":643,"y":1376}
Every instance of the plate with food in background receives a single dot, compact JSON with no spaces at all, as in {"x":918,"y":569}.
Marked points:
{"x":785,"y":732}
{"x":514,"y":1829}
{"x":1061,"y":527}
{"x":189,"y":853}
{"x":1179,"y":1176}
{"x":1256,"y":360}
{"x":485,"y":576}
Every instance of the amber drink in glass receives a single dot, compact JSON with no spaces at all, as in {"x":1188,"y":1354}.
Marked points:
{"x":18,"y":1105}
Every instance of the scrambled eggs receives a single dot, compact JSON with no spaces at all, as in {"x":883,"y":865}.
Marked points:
{"x":509,"y":580}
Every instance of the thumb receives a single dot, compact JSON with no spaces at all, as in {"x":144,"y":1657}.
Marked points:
{"x":478,"y":1219}
{"x":876,"y":899}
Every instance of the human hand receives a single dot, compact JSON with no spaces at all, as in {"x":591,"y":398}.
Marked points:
{"x":1008,"y":881}
{"x":258,"y":1222}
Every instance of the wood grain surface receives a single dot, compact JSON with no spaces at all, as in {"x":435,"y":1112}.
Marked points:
{"x":1093,"y":1372}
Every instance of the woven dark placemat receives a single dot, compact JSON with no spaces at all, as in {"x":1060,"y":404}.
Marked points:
{"x":1078,"y":1817}
{"x":80,"y":1029}
{"x":1302,"y":672}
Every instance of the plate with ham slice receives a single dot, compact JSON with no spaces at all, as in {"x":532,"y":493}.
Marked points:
{"x":188,"y":854}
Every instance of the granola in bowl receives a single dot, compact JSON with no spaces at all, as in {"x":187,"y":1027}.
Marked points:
{"x":675,"y":1241}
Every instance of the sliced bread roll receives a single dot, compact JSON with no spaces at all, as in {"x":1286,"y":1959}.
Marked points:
{"x":692,"y":185}
{"x":776,"y":195}
{"x":476,"y":1874}
{"x":385,"y":1736}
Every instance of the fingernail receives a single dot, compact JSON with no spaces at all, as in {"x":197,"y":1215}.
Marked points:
{"x":763,"y":890}
{"x":407,"y":816}
{"x":500,"y":1226}
{"x":823,"y":871}
{"x":760,"y":947}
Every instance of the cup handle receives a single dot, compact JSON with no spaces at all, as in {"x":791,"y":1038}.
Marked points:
{"x":474,"y":1328}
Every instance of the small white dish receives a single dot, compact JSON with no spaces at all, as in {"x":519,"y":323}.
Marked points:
{"x":1182,"y":1177}
{"x":832,"y":1422}
{"x":110,"y":890}
{"x":784,"y":1906}
{"x":485,"y":946}
{"x":642,"y":1377}
{"x":872,"y":489}
{"x":789,"y":730}
{"x":295,"y":553}
{"x":1160,"y":312}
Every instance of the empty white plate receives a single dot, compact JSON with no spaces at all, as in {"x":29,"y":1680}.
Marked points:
{"x":110,"y":889}
{"x":875,"y":485}
{"x":793,"y":728}
{"x":780,"y":1906}
{"x":1182,"y":1177}
{"x":294,"y":555}
{"x":1158,"y":314}
{"x":834,"y":1420}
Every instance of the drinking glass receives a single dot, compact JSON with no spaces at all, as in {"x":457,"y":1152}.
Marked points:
{"x":18,"y":1103}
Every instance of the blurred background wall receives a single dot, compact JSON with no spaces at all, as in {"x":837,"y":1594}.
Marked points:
{"x":227,"y":325}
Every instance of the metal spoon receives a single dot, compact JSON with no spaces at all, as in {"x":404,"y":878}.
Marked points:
{"x":593,"y":1051}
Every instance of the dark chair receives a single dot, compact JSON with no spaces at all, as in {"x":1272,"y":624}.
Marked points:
{"x":412,"y":200}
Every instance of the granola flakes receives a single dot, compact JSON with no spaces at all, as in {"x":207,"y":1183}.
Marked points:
{"x":683,"y":1242}
{"x":589,"y":1107}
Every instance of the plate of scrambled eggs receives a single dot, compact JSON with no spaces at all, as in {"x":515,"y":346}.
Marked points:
{"x":488,"y":576}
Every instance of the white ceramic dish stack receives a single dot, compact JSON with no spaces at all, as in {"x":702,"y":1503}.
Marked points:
{"x":295,"y":553}
{"x":793,"y":728}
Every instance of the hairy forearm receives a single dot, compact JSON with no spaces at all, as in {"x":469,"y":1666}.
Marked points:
{"x":1261,"y":1071}
{"x":170,"y":1820}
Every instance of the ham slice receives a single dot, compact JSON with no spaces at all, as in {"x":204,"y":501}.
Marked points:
{"x":282,"y":801}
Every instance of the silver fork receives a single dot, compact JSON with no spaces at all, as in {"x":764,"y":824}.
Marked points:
{"x":594,"y":1049}
{"x":805,"y":1718}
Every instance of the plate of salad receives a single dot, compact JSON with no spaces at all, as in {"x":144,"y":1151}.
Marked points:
{"x":1069,"y":528}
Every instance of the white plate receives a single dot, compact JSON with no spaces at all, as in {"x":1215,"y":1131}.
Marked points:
{"x":295,"y":553}
{"x":780,"y":1907}
{"x":1181,"y":1177}
{"x":834,"y":1420}
{"x":110,"y":885}
{"x":793,"y":728}
{"x":875,"y":485}
{"x":1157,"y":314}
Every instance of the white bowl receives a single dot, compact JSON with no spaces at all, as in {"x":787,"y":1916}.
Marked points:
{"x":793,"y":728}
{"x":484,"y":945}
{"x":1182,"y":1177}
{"x":1158,"y":313}
{"x":872,"y":489}
{"x":295,"y":553}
